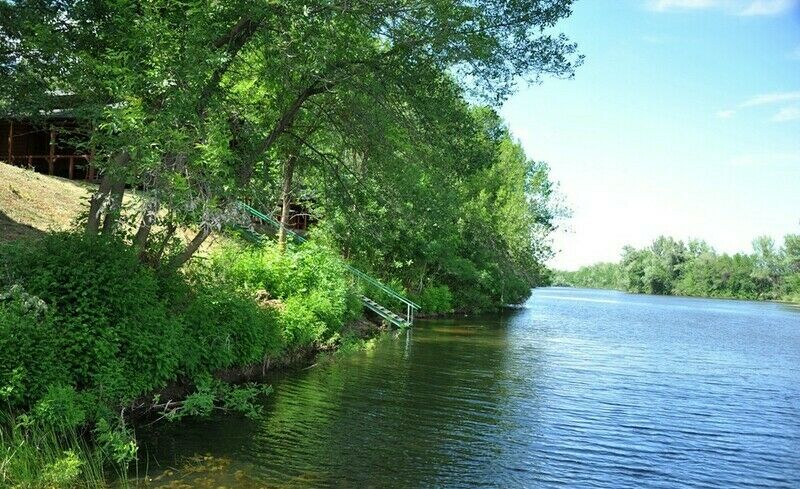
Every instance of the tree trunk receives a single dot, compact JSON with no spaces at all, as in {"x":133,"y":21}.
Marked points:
{"x":286,"y":201}
{"x":245,"y":170}
{"x":193,"y":246}
{"x":233,"y":41}
{"x":162,"y":246}
{"x":149,"y":215}
{"x":106,"y":196}
{"x":286,"y":120}
{"x":96,"y":205}
{"x":114,"y":209}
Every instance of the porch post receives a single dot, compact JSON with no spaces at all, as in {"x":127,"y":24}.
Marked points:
{"x":51,"y":160}
{"x":90,"y":171}
{"x":10,"y":140}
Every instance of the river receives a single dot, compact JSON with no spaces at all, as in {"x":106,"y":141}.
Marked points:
{"x":577,"y":388}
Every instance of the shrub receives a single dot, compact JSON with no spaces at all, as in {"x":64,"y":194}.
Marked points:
{"x":29,"y":355}
{"x":309,"y":280}
{"x":436,"y":299}
{"x":473,"y":299}
{"x":301,"y":326}
{"x":85,"y":316}
{"x":86,"y":328}
{"x":225,"y":328}
{"x":61,"y":407}
{"x":792,"y":288}
{"x":111,"y":329}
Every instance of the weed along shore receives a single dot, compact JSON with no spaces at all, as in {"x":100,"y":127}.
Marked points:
{"x":93,"y":339}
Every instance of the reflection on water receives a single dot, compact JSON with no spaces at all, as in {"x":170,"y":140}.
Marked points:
{"x":578,"y":388}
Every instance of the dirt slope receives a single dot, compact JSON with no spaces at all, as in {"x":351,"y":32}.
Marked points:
{"x":31,"y":203}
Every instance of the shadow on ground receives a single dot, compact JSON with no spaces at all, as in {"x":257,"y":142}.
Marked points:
{"x":11,"y":229}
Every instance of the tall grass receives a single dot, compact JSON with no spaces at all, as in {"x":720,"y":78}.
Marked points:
{"x":39,"y":456}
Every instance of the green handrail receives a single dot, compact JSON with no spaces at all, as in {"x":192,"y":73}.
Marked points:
{"x":358,"y":273}
{"x":272,"y":221}
{"x":355,"y":271}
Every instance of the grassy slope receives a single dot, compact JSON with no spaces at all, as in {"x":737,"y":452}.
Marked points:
{"x":32,"y":203}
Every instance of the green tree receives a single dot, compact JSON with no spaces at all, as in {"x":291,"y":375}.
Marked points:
{"x":190,"y":99}
{"x":670,"y":267}
{"x":768,"y":266}
{"x":791,"y":253}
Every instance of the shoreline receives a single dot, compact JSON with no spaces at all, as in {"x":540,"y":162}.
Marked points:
{"x":774,"y":301}
{"x":144,"y":407}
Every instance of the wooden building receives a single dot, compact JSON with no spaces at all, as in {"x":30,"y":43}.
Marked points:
{"x":54,"y":147}
{"x":299,"y":216}
{"x":51,"y":147}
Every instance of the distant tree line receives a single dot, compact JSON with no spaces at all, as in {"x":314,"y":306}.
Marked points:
{"x":672,"y":267}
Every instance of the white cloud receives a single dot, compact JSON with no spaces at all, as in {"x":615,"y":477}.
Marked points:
{"x":766,"y":158}
{"x":768,"y":7}
{"x":771,"y":98}
{"x":665,"y":5}
{"x":787,"y":114}
{"x":734,"y":7}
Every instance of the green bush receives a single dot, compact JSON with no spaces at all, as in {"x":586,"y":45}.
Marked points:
{"x":86,"y":324}
{"x":29,"y":355}
{"x":791,"y":288}
{"x":310,"y":282}
{"x":299,"y":323}
{"x":436,"y":299}
{"x":86,"y":328}
{"x":224,"y":328}
{"x":84,"y":313}
{"x":61,"y":406}
{"x":473,"y":299}
{"x":110,"y":328}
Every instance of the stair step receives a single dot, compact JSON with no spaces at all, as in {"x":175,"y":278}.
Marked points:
{"x":385,"y":313}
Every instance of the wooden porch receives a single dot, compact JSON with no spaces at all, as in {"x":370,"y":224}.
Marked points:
{"x":52,"y":149}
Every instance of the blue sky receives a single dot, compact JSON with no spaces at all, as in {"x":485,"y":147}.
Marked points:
{"x":684,"y":120}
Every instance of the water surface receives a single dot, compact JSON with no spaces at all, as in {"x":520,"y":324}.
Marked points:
{"x":578,"y":388}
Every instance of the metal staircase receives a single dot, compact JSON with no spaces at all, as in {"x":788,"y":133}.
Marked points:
{"x":398,"y":320}
{"x":386,"y":314}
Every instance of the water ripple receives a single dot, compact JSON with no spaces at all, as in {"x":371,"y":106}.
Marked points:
{"x":577,"y":389}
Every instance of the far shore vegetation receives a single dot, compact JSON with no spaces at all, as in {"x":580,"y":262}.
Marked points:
{"x":671,"y":267}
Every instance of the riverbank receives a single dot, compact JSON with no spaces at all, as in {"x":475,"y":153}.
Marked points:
{"x":790,"y":301}
{"x":354,"y":336}
{"x":794,"y":300}
{"x":93,"y":339}
{"x":98,"y":332}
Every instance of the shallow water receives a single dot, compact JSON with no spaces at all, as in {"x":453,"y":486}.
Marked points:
{"x":578,"y":388}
